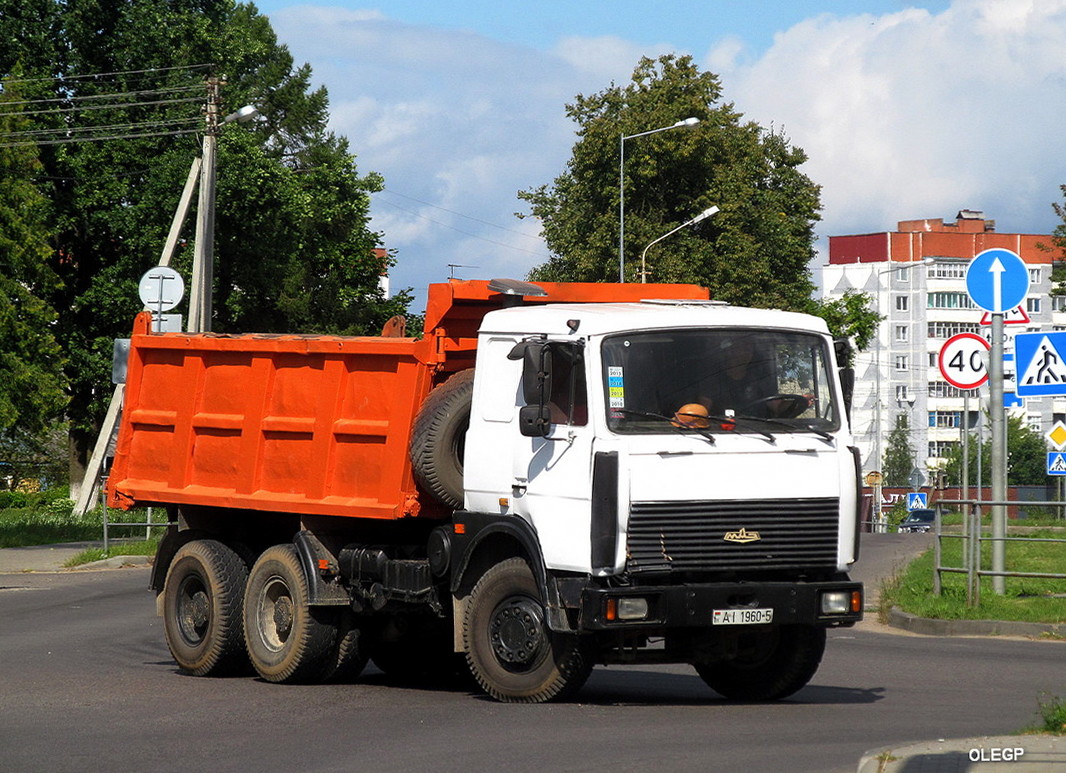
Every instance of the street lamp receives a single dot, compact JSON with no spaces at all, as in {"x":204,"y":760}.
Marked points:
{"x":698,"y":219}
{"x":622,"y":185}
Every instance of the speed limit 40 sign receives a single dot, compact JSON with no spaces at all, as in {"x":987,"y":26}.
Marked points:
{"x":962,"y":360}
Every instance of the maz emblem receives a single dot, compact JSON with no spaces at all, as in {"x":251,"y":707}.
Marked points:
{"x":742,"y":537}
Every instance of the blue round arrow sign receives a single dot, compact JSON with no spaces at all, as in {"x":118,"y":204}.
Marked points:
{"x":997,"y":280}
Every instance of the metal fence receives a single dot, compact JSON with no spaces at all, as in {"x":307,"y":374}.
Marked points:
{"x":973,"y":537}
{"x":148,"y":523}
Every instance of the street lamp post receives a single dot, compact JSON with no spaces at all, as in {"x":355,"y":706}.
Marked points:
{"x":698,"y":219}
{"x":622,"y":185}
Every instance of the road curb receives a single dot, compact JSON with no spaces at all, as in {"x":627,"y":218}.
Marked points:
{"x":926,"y":626}
{"x":114,"y":562}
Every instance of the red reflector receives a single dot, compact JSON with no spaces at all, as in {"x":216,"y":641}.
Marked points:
{"x":856,"y":601}
{"x":459,"y":528}
{"x":612,"y":609}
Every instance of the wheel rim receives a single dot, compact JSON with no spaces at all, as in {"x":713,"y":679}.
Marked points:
{"x":516,"y":632}
{"x":194,"y":610}
{"x":275,"y":613}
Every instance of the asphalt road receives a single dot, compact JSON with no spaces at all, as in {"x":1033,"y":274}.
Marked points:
{"x":86,"y":684}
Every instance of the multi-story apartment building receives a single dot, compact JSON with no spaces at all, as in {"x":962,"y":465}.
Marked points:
{"x":916,"y":277}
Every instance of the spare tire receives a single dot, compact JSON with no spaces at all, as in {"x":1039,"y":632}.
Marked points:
{"x":439,"y":439}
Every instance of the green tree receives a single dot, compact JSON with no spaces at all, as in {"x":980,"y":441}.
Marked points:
{"x":31,"y":364}
{"x":755,"y":251}
{"x":899,"y":454}
{"x":1026,"y":457}
{"x":293,"y":250}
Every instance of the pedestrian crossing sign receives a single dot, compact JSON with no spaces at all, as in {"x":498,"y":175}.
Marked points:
{"x":917,"y":500}
{"x":1040,"y":362}
{"x":1056,"y":463}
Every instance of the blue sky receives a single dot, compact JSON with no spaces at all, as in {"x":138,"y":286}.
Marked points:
{"x":906,"y":109}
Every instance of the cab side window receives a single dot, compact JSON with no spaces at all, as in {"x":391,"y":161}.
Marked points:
{"x":569,"y":394}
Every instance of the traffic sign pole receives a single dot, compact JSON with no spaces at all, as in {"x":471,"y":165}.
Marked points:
{"x":999,"y":456}
{"x":997,"y":280}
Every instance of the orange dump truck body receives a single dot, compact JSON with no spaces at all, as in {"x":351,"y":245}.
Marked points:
{"x":314,"y":425}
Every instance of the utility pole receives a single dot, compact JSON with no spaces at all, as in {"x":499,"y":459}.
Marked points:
{"x":203,"y":272}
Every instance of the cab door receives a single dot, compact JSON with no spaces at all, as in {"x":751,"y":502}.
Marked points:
{"x":551,"y":472}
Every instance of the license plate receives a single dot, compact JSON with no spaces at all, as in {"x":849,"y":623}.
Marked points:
{"x":743,"y":616}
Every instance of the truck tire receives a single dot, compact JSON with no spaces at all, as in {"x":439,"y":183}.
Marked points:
{"x":289,"y":642}
{"x":510,"y":651}
{"x":349,"y":657}
{"x":202,"y":609}
{"x":769,"y":666}
{"x":439,"y":437}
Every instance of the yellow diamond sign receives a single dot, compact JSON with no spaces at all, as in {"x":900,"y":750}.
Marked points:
{"x":1057,"y":435}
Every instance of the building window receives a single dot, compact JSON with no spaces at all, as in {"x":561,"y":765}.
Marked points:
{"x":938,"y":449}
{"x":903,"y":274}
{"x":945,"y":419}
{"x":950,"y":300}
{"x":902,"y":303}
{"x":943,"y":389}
{"x":948,"y":270}
{"x":949,"y":329}
{"x":902,"y":333}
{"x":934,"y":359}
{"x":901,"y":362}
{"x":1058,"y":302}
{"x":1034,"y":276}
{"x":901,"y":393}
{"x":1032,"y":305}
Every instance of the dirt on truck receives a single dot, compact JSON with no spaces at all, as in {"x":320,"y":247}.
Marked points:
{"x":553,"y":476}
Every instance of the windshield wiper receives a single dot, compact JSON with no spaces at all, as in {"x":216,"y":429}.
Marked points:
{"x":670,"y":420}
{"x":734,"y":419}
{"x":796,"y":428}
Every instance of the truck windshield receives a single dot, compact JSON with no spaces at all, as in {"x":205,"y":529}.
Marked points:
{"x":718,"y":380}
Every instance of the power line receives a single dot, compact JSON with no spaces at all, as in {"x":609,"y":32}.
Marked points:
{"x":458,"y":214}
{"x":101,"y":139}
{"x":467,"y":233}
{"x":99,"y":75}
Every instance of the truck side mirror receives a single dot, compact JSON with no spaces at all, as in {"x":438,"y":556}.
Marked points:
{"x":534,"y":420}
{"x":844,"y":353}
{"x":536,"y":373}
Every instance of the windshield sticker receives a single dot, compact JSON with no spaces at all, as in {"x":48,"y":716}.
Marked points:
{"x":616,"y":389}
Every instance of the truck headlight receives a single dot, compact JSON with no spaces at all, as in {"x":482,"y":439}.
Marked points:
{"x":627,"y":608}
{"x":840,"y":602}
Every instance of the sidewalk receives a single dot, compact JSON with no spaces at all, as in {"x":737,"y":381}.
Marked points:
{"x":51,"y":558}
{"x":1003,"y":754}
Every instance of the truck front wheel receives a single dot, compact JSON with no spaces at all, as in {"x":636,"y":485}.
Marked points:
{"x":768,"y":665}
{"x":288,"y":640}
{"x":510,"y":651}
{"x":202,"y":601}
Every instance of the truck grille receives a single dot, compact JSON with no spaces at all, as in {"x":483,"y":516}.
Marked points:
{"x":691,"y":536}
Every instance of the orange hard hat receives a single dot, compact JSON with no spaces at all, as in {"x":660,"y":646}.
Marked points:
{"x":693,"y":415}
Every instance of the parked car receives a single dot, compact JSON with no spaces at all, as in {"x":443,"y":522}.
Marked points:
{"x":918,"y":521}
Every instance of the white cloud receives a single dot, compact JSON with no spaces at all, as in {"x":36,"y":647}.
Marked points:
{"x":914,"y":115}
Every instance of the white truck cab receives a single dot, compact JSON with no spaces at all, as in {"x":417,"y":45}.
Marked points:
{"x":683,"y":469}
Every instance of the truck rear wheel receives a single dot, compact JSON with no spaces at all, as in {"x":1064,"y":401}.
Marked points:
{"x":510,"y":651}
{"x":439,"y":436}
{"x":288,"y":641}
{"x":202,"y":603}
{"x":769,"y":665}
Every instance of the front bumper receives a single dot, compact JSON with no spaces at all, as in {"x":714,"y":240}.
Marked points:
{"x":693,"y":605}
